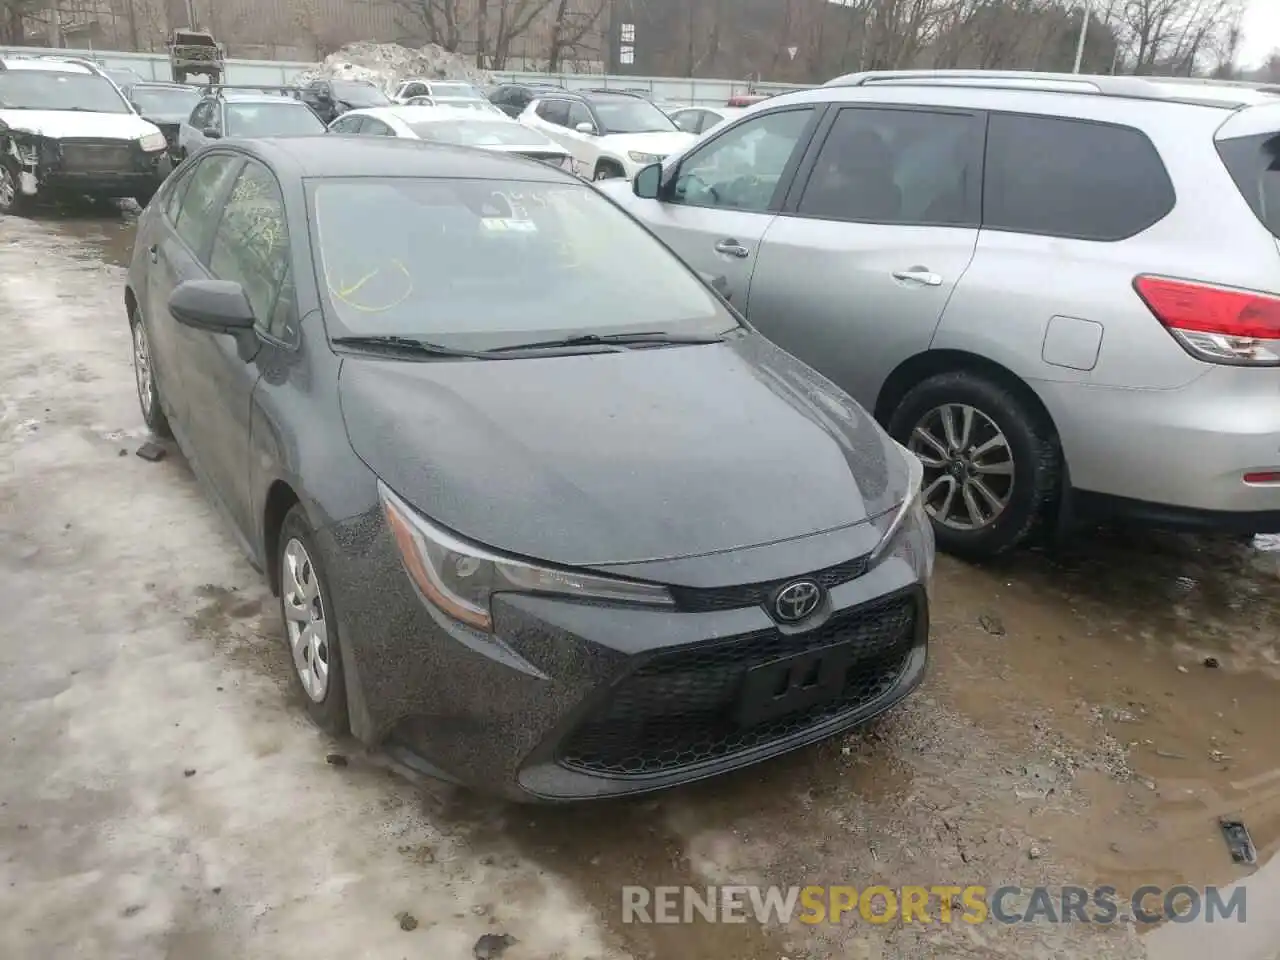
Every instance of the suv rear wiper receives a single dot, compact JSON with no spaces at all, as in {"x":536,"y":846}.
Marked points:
{"x":613,"y":340}
{"x":409,"y":345}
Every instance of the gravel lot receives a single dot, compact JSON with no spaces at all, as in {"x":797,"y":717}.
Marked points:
{"x":162,"y":798}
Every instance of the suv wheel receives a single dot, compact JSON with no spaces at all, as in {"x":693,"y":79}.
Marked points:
{"x":607,"y":170}
{"x":991,"y":466}
{"x":11,"y":197}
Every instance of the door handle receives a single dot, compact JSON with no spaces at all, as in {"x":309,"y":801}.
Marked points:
{"x":732,"y":248}
{"x":918,"y":275}
{"x":155,"y":253}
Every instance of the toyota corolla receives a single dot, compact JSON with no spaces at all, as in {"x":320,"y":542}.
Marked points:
{"x":543,"y":513}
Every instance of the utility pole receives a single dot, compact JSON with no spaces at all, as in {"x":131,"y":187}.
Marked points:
{"x":1084,"y":29}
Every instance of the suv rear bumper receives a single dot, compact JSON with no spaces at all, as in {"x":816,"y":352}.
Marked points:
{"x":1103,"y":507}
{"x":1178,"y":454}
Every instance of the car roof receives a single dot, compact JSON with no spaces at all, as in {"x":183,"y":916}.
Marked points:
{"x":242,"y":96}
{"x":329,"y":155}
{"x":425,"y":113}
{"x":47,"y":66}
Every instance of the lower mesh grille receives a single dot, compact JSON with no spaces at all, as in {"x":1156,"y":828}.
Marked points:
{"x":687,"y":706}
{"x":97,"y":157}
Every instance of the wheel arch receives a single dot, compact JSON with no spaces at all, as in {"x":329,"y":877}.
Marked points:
{"x":281,"y":498}
{"x":922,"y":366}
{"x":130,"y":301}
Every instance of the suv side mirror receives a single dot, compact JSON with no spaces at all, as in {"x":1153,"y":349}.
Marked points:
{"x":218,"y":306}
{"x":585,"y":127}
{"x":648,"y":182}
{"x":212,"y":133}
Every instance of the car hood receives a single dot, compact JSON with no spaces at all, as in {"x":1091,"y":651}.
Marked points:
{"x":59,"y":124}
{"x":611,"y":458}
{"x":660,"y":143}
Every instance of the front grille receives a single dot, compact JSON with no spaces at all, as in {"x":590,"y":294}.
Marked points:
{"x":98,"y":156}
{"x":695,"y":600}
{"x":681,"y":708}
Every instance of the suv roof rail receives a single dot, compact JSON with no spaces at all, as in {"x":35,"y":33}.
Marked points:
{"x":1168,"y":89}
{"x":618,"y":91}
{"x":216,"y":88}
{"x":1007,"y":79}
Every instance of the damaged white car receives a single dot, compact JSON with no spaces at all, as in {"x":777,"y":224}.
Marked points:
{"x":66,"y":129}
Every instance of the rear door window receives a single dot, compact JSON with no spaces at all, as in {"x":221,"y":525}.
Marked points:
{"x":1072,"y":178}
{"x":1254,"y":165}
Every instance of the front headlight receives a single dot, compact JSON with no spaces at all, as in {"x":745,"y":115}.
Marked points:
{"x":912,"y":506}
{"x":459,"y":578}
{"x":645,"y":158}
{"x":153,"y":142}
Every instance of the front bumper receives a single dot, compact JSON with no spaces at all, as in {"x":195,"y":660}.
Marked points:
{"x":571,"y":700}
{"x":106,"y":168}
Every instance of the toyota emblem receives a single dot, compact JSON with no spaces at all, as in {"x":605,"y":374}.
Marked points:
{"x":797,"y":600}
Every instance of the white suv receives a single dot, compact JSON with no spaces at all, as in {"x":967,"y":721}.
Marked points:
{"x":609,"y":133}
{"x":66,"y":128}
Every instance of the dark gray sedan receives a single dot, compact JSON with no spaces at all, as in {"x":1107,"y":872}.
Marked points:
{"x":543,"y":513}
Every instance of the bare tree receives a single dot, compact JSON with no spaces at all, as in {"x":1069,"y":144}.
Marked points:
{"x":441,"y":21}
{"x":570,"y":30}
{"x":511,"y":20}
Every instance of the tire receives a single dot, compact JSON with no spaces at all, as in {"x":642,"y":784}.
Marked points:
{"x":606,"y":170}
{"x":1024,"y":473}
{"x":144,"y":374}
{"x":13,"y":202}
{"x":304,"y":603}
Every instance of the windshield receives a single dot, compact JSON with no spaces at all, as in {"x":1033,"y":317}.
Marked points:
{"x":477,"y":264}
{"x":479,"y":133}
{"x":632,"y":116}
{"x":54,"y":90}
{"x":360,"y":94}
{"x":165,"y":100}
{"x":455,"y":91}
{"x":285,"y":119}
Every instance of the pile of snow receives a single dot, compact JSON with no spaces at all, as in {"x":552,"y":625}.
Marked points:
{"x":387,"y":64}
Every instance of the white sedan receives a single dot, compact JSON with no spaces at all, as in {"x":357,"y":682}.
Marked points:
{"x":466,"y":128}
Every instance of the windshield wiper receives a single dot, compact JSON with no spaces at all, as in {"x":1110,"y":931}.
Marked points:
{"x":639,"y":338}
{"x":409,"y":345}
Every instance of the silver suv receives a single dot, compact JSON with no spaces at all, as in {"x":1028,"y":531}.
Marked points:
{"x":1061,"y":292}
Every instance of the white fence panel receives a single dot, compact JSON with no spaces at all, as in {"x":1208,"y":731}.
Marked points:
{"x":155,"y":66}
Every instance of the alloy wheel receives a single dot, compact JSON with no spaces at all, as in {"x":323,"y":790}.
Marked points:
{"x":305,"y":620}
{"x":142,"y":366}
{"x":968,"y":466}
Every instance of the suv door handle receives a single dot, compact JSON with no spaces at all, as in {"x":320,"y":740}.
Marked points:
{"x":918,"y":275}
{"x":154,"y":250}
{"x":732,"y":248}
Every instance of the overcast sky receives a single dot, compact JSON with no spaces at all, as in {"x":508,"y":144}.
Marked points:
{"x":1261,"y":31}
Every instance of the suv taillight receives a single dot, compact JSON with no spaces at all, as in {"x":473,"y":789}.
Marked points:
{"x":1217,"y":324}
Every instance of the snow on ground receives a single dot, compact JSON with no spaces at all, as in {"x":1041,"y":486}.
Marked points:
{"x":160,"y":797}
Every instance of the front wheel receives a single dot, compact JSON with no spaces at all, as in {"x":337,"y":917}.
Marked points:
{"x":991,"y":463}
{"x":144,"y":373}
{"x":310,"y":626}
{"x":606,"y":170}
{"x":12,"y":199}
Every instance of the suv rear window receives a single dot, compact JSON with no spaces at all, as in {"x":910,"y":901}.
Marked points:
{"x":1072,"y":178}
{"x":1254,"y":164}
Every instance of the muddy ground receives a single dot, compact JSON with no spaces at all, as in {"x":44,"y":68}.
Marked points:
{"x":160,"y":797}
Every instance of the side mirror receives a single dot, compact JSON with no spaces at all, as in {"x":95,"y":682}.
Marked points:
{"x":212,"y":133}
{"x":585,"y":127}
{"x":648,"y":182}
{"x":218,"y":306}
